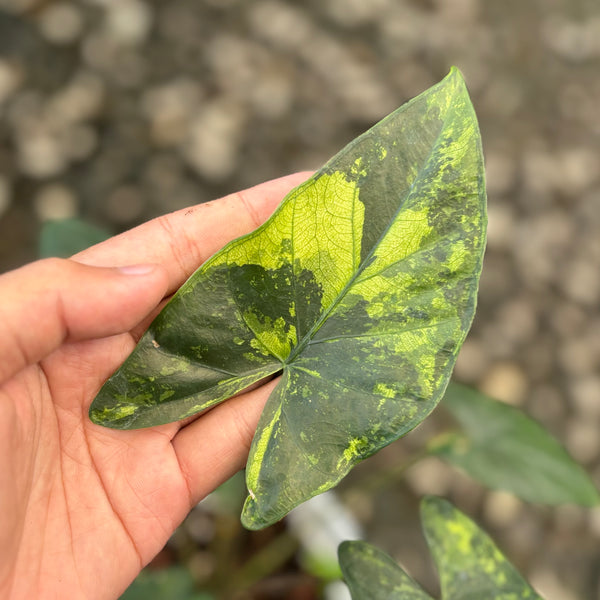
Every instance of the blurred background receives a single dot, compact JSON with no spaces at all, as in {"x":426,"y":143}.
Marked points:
{"x":116,"y":111}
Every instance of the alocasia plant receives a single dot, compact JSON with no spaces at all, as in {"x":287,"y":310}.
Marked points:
{"x":358,"y":291}
{"x":470,"y":566}
{"x":503,"y":448}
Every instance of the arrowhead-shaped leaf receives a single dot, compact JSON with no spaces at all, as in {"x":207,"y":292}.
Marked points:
{"x":469,"y":564}
{"x":359,"y":290}
{"x":503,"y":448}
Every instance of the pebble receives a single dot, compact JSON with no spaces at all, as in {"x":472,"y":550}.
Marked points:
{"x":582,"y":439}
{"x":501,"y":508}
{"x":55,"y":201}
{"x":213,"y":140}
{"x":40,"y":154}
{"x":430,"y":476}
{"x":505,"y":381}
{"x":128,"y":21}
{"x":61,"y":23}
{"x":170,"y":107}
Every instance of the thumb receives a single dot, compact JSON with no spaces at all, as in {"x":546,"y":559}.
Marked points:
{"x":51,"y":301}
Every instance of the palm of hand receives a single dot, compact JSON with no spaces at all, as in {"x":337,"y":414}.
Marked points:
{"x":95,"y":501}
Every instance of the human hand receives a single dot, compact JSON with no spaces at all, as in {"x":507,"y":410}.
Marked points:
{"x":83,"y":508}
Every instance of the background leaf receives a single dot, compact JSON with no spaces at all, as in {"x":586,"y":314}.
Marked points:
{"x":359,"y":290}
{"x":164,"y":584}
{"x":505,"y":449}
{"x":65,"y":237}
{"x":372,"y":575}
{"x":469,"y":564}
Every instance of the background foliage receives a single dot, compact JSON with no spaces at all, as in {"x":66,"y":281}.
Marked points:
{"x":118,"y":111}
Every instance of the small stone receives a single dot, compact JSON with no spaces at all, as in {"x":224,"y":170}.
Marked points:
{"x":282,"y":25}
{"x":578,"y":357}
{"x":580,"y":281}
{"x":430,"y":476}
{"x":55,"y":201}
{"x":502,"y":508}
{"x":582,"y":439}
{"x":40,"y":154}
{"x":570,"y":40}
{"x":506,"y":382}
{"x":213,"y":140}
{"x":61,"y":23}
{"x":579,"y":169}
{"x":170,"y":108}
{"x":128,"y":21}
{"x":100,"y":51}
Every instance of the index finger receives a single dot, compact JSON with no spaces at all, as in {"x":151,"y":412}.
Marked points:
{"x":181,"y":241}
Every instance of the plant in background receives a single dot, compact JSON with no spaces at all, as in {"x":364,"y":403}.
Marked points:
{"x":469,"y":564}
{"x":358,"y":292}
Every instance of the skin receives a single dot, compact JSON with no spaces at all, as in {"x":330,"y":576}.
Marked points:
{"x":83,"y":508}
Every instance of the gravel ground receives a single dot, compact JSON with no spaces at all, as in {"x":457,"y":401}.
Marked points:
{"x":120,"y":110}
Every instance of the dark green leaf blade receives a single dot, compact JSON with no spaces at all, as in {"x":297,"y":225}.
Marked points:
{"x":505,"y":449}
{"x":197,"y":352}
{"x":470,"y":565}
{"x":378,"y":358}
{"x":371,"y":574}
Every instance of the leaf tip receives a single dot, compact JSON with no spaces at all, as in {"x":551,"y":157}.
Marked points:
{"x":251,"y":517}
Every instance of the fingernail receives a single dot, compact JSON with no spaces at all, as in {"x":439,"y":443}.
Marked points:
{"x":142,"y":269}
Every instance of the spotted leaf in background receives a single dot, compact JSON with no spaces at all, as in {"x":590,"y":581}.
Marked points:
{"x":358,"y":291}
{"x":469,"y":564}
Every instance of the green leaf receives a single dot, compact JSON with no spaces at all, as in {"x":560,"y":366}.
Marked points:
{"x":65,"y":237}
{"x":470,"y":566}
{"x":371,"y":574}
{"x":163,"y":584}
{"x":359,"y":291}
{"x":505,"y":449}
